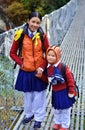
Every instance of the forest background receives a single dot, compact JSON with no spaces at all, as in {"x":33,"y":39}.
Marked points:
{"x":18,"y":10}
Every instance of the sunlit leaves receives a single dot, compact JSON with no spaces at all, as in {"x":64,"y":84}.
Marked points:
{"x":17,"y":13}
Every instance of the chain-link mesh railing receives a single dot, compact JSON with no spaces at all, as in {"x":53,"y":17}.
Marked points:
{"x":10,"y":100}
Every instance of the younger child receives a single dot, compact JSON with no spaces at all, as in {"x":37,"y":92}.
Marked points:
{"x":63,"y":97}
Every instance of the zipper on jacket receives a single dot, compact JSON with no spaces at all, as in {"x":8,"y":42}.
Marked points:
{"x":33,"y":54}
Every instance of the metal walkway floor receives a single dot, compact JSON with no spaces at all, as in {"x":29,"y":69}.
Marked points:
{"x":73,"y":48}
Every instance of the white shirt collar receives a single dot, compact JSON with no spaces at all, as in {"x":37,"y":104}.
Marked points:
{"x":31,"y":32}
{"x":54,"y":64}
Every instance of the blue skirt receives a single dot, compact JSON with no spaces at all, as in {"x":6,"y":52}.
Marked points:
{"x":27,"y":82}
{"x":60,"y":99}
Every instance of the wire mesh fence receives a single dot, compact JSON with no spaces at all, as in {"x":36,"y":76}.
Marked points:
{"x":10,"y":100}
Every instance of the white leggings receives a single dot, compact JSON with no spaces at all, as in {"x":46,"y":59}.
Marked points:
{"x":35,"y":104}
{"x":62,"y":117}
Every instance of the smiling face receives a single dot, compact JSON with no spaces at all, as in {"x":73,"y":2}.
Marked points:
{"x":51,"y":57}
{"x":34,"y":23}
{"x":53,"y":54}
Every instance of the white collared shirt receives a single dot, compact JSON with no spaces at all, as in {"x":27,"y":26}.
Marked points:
{"x":29,"y":32}
{"x":54,"y":64}
{"x":50,"y":78}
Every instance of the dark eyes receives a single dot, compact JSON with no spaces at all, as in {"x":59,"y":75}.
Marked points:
{"x":52,"y":55}
{"x":36,"y":22}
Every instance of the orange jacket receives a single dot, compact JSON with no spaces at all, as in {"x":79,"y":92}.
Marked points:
{"x":32,"y":54}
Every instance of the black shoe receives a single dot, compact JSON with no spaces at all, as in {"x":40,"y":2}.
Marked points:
{"x":37,"y":124}
{"x":26,"y":120}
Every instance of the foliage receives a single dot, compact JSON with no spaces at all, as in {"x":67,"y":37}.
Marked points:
{"x":17,"y":13}
{"x":6,"y":3}
{"x":18,"y":10}
{"x":32,"y":5}
{"x":53,"y":5}
{"x":44,"y":6}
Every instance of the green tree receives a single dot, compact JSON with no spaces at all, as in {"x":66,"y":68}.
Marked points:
{"x":37,"y":5}
{"x":52,"y":5}
{"x":43,"y":6}
{"x":17,"y":13}
{"x":18,"y":10}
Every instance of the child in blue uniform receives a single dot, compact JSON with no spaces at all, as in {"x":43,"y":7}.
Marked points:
{"x":63,"y":96}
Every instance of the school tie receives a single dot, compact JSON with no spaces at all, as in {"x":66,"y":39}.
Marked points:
{"x":31,"y":35}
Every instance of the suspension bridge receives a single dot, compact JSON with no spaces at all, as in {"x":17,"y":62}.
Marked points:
{"x":73,"y":54}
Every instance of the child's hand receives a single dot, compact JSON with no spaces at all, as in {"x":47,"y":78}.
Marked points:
{"x":71,"y":95}
{"x":39,"y":73}
{"x":54,"y":81}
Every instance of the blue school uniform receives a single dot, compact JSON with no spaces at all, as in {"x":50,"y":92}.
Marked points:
{"x":27,"y":82}
{"x":60,"y":99}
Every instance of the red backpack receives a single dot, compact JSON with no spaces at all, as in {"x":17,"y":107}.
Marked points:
{"x":63,"y":71}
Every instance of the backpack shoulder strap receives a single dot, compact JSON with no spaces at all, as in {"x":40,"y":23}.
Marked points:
{"x":42,"y":37}
{"x":63,"y":70}
{"x":20,"y":46}
{"x":21,"y":42}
